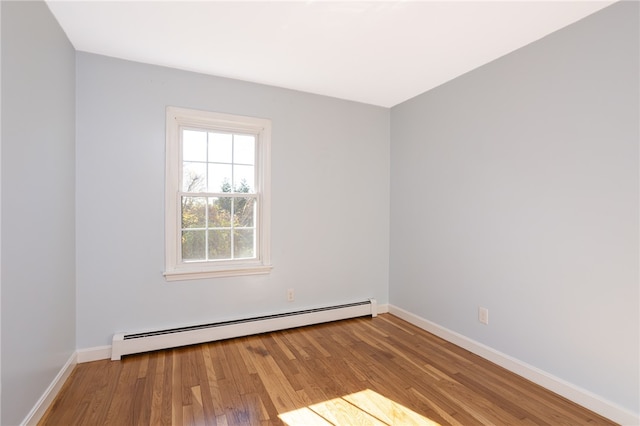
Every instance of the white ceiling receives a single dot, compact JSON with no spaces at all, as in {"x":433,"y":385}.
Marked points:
{"x":376,"y":52}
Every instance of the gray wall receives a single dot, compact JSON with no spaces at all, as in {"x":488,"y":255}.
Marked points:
{"x":38,"y":237}
{"x":515,"y":188}
{"x":330,"y":197}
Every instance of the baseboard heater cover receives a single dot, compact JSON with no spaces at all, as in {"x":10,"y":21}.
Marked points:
{"x":132,"y":343}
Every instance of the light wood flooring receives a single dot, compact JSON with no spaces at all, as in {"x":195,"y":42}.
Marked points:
{"x":364,"y":371}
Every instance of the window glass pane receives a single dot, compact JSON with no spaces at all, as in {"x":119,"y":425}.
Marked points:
{"x":244,"y":212}
{"x":219,"y":178}
{"x":220,"y":147}
{"x":193,"y":212}
{"x":220,"y":212}
{"x":244,"y":149}
{"x":244,"y":179}
{"x":243,"y":243}
{"x":194,"y":177}
{"x":194,"y":145}
{"x":193,"y":245}
{"x":220,"y":244}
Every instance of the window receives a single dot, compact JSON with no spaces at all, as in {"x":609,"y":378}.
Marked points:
{"x":217,"y":195}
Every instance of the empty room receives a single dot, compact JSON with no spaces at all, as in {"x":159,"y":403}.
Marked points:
{"x":310,"y":212}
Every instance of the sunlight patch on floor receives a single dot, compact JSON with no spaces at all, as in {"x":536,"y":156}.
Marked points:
{"x":362,"y":408}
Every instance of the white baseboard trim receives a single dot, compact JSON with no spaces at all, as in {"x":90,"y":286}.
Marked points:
{"x":568,"y":390}
{"x":94,"y":354}
{"x":383,"y":309}
{"x":50,"y":393}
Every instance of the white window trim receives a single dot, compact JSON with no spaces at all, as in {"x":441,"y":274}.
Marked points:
{"x":175,"y":269}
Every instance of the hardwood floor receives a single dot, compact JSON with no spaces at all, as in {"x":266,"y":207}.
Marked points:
{"x":378,"y":371}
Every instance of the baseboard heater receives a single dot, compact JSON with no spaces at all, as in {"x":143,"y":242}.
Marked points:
{"x":132,"y":343}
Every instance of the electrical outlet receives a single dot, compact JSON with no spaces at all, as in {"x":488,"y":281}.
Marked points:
{"x":483,"y":315}
{"x":290,"y":295}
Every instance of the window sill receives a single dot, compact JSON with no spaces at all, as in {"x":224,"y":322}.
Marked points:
{"x":202,"y":273}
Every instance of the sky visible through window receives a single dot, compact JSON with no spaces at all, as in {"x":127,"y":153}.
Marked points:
{"x":218,"y":162}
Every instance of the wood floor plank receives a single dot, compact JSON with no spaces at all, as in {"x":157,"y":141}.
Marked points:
{"x":386,"y":410}
{"x":197,"y":406}
{"x":157,"y":388}
{"x":177,"y":416}
{"x":167,"y":391}
{"x":213,"y":384}
{"x":205,"y":399}
{"x":338,"y":411}
{"x":441,"y":413}
{"x":234,"y":409}
{"x":280,"y":359}
{"x":283,"y":346}
{"x":364,"y":371}
{"x":121,"y":404}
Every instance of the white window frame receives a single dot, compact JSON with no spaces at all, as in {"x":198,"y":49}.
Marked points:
{"x":175,"y":268}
